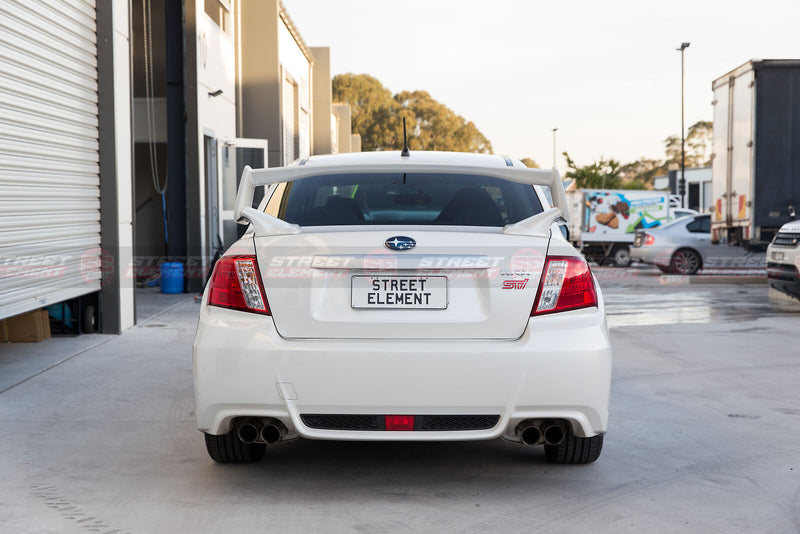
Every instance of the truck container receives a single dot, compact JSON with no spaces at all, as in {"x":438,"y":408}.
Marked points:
{"x":603,"y":222}
{"x":756,"y":160}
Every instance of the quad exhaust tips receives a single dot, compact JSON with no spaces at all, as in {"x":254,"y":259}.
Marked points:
{"x":531,"y":432}
{"x":260,"y":431}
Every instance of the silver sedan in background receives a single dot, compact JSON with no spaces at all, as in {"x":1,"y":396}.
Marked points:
{"x":684,"y":246}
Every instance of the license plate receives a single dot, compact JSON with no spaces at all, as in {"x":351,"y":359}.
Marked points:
{"x":777,"y":255}
{"x":399,"y":292}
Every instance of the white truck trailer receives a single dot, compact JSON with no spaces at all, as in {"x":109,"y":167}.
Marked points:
{"x":756,"y":162}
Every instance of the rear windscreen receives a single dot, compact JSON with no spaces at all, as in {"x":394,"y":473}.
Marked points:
{"x":413,"y":198}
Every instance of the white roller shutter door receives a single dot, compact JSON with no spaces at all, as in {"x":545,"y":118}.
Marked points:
{"x":49,"y":173}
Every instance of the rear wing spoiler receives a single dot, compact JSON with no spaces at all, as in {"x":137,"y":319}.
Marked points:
{"x":251,"y":178}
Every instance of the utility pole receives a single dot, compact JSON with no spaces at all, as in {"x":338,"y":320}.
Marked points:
{"x":682,"y":182}
{"x":554,"y":147}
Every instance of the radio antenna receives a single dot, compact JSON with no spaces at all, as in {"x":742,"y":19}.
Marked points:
{"x":405,"y":153}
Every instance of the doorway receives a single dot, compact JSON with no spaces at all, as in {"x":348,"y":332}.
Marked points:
{"x":214,"y":239}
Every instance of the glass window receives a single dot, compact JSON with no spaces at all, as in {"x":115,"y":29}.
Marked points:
{"x":220,"y":13}
{"x":700,"y":225}
{"x":403,"y":199}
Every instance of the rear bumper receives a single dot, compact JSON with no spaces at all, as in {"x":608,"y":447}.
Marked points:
{"x":784,"y":278}
{"x":653,"y":255}
{"x":559,"y":369}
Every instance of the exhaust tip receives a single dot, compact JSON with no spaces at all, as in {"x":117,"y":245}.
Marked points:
{"x":554,"y":435}
{"x":247,"y":433}
{"x":531,"y":435}
{"x":528,"y":433}
{"x":270,"y":434}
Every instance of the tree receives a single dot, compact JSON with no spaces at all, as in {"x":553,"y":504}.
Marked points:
{"x":530,"y":163}
{"x":599,"y":175}
{"x":700,"y":141}
{"x":378,"y":117}
{"x":640,"y":173}
{"x":698,"y":146}
{"x":672,"y":151}
{"x":372,"y":108}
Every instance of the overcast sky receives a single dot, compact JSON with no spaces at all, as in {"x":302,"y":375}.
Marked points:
{"x":605,"y":73}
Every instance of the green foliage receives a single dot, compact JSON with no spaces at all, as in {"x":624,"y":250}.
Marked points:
{"x":373,"y":109}
{"x":639,"y":174}
{"x":530,"y":163}
{"x":700,"y":141}
{"x":698,"y":146}
{"x":598,"y":175}
{"x":378,"y":117}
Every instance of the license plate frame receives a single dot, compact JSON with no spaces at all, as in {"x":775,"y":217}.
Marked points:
{"x":361,"y":286}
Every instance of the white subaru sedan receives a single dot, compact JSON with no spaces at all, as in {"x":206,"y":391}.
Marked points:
{"x":421,"y":297}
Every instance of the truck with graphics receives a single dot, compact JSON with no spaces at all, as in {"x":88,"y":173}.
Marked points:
{"x":603,"y":222}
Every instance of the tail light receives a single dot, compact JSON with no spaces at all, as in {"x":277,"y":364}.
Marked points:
{"x":236,"y":284}
{"x":649,"y":240}
{"x":567,"y":284}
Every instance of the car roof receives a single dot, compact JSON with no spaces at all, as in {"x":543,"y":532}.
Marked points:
{"x":420,"y":157}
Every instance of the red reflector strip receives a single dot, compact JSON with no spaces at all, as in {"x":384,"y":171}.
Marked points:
{"x":399,"y":422}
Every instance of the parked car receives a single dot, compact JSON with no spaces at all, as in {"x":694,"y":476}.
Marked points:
{"x":678,"y":213}
{"x":427,"y":297}
{"x":684,"y":247}
{"x":783,"y":260}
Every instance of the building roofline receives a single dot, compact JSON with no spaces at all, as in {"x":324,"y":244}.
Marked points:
{"x":284,"y":15}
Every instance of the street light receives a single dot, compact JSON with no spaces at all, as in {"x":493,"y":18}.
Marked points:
{"x":554,"y":147}
{"x":682,"y":182}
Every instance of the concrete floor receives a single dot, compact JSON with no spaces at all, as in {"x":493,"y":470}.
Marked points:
{"x":704,"y":437}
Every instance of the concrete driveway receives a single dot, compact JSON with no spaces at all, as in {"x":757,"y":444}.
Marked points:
{"x":704,"y":437}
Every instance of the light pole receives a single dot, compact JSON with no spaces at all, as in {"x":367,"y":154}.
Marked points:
{"x":682,"y":182}
{"x":554,"y":147}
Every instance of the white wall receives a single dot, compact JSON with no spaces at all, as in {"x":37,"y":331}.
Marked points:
{"x":122,"y":135}
{"x":216,"y":116}
{"x":295,"y":64}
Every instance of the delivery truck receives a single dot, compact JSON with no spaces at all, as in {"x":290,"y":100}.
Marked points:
{"x":603,"y":222}
{"x":756,"y":157}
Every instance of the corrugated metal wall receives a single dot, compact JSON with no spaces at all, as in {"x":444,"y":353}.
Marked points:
{"x":49,"y":181}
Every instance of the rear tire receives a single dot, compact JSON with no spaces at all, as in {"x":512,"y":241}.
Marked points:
{"x":575,"y":450}
{"x":89,"y":320}
{"x":229,"y":449}
{"x":685,"y":261}
{"x":621,"y":256}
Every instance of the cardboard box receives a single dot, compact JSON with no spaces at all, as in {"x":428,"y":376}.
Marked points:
{"x":29,"y":327}
{"x":46,"y":323}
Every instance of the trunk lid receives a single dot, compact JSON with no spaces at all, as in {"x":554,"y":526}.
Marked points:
{"x":455,"y":283}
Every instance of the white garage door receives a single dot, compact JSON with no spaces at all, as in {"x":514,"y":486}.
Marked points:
{"x":49,"y":174}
